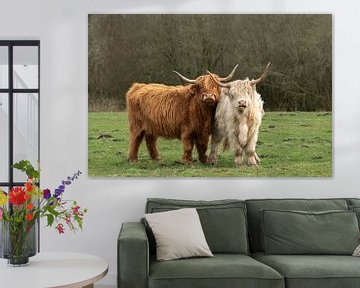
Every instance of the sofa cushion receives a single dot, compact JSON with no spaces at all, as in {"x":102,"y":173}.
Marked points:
{"x":254,"y":216}
{"x":313,"y":271}
{"x":354,"y":205}
{"x":222,"y":270}
{"x":353,"y":201}
{"x":223,"y":221}
{"x":356,"y":209}
{"x":297,"y":232}
{"x":178,"y":234}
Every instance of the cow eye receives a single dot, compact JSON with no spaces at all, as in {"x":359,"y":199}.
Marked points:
{"x":229,"y":95}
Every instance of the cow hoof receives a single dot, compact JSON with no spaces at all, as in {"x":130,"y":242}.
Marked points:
{"x":132,"y":160}
{"x":258,"y":161}
{"x":187,"y":161}
{"x":238,"y":161}
{"x":204,"y":160}
{"x":211,"y":161}
{"x":252,"y":162}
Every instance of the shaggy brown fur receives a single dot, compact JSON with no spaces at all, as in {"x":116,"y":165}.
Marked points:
{"x":183,"y":112}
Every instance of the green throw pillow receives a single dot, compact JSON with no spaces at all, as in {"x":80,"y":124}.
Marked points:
{"x":299,"y":232}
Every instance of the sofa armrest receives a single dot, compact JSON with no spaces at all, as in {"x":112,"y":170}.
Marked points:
{"x":133,"y":256}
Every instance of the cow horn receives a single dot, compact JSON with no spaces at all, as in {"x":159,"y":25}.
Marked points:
{"x":225,"y":85}
{"x":184,"y":78}
{"x":228,"y":78}
{"x":262,"y":77}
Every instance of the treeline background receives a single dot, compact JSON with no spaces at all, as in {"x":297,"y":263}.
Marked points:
{"x":124,"y":49}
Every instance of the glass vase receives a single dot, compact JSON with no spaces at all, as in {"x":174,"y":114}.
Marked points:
{"x":18,"y":242}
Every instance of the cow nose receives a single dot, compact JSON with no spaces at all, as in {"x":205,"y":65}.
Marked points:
{"x":208,"y":96}
{"x":242,"y":103}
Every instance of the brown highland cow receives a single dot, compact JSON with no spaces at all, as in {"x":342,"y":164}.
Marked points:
{"x":183,"y":112}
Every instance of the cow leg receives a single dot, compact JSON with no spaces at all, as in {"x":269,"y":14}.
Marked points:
{"x":226,"y":144}
{"x":252,"y":158}
{"x":240,"y":143}
{"x":243,"y":134}
{"x":239,"y":151}
{"x":215,"y":141}
{"x":188,"y":145}
{"x":135,"y":141}
{"x":151,"y":146}
{"x":201,"y":146}
{"x":258,"y":161}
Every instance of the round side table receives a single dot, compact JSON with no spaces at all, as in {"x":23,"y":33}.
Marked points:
{"x":50,"y":270}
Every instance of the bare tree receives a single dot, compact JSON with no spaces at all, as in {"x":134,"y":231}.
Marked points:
{"x":146,"y":48}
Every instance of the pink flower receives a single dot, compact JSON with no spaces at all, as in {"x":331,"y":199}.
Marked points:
{"x":1,"y":212}
{"x":60,"y":228}
{"x":76,"y":209}
{"x":68,"y":219}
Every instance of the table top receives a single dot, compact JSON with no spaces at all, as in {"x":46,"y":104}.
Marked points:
{"x":67,"y":270}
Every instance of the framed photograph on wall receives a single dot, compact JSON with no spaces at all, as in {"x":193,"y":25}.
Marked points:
{"x":210,"y":95}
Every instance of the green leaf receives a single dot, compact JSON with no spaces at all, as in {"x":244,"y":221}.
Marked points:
{"x":26,"y":167}
{"x":53,"y":211}
{"x":50,"y":219}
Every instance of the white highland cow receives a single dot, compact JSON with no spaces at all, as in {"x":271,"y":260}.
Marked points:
{"x":238,"y":118}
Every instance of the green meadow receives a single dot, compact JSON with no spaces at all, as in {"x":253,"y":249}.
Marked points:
{"x":291,"y":144}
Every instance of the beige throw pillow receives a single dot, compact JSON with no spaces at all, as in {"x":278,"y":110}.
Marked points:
{"x":178,"y":234}
{"x":357,"y":251}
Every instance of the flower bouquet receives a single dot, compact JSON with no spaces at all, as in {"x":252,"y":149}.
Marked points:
{"x":21,"y":208}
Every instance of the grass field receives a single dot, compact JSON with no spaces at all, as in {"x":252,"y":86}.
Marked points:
{"x":290,"y":144}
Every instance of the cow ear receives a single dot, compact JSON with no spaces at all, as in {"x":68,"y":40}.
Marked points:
{"x":194,"y":89}
{"x":226,"y":91}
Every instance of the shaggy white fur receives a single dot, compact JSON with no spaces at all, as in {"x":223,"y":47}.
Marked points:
{"x":237,"y":120}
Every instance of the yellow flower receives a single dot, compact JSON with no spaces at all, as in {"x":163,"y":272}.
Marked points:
{"x":3,"y":198}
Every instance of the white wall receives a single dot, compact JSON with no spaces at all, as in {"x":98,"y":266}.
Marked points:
{"x":62,"y":28}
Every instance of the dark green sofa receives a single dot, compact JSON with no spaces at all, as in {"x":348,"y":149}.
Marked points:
{"x":233,"y":231}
